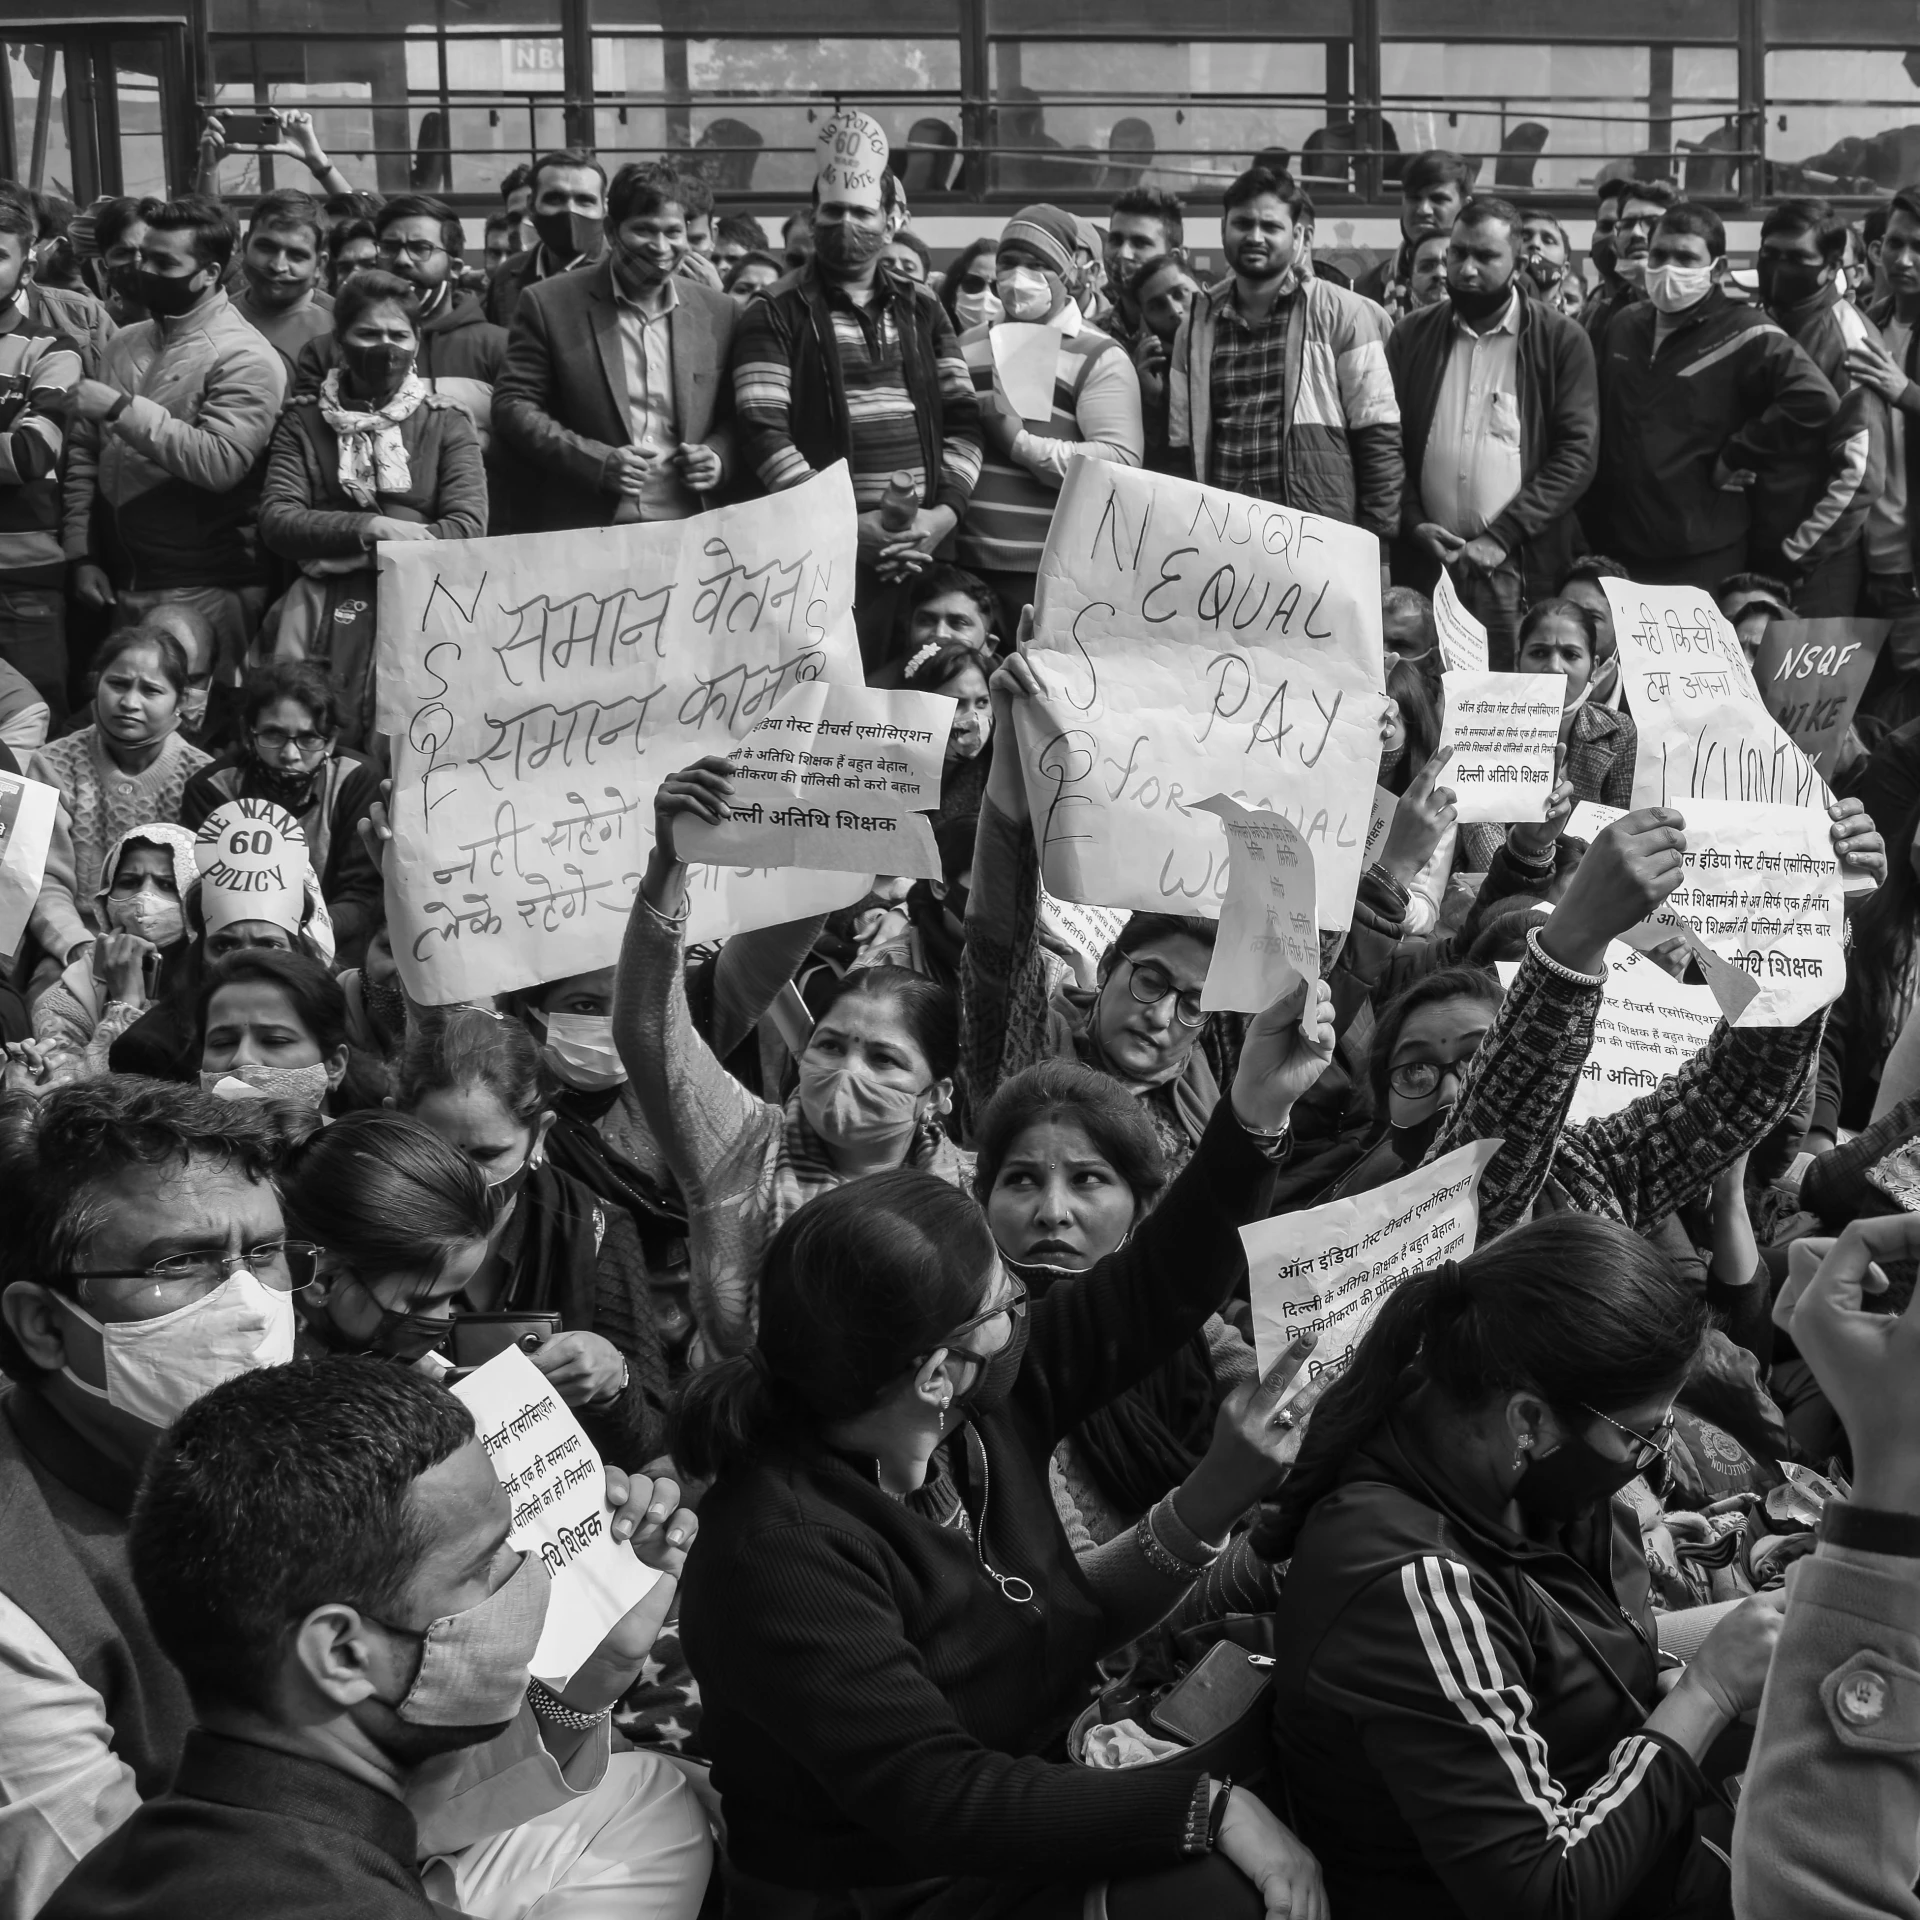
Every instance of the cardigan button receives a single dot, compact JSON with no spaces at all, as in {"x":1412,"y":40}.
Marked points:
{"x":1861,"y":1698}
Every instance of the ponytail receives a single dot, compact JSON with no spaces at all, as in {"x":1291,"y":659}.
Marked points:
{"x":724,"y":1415}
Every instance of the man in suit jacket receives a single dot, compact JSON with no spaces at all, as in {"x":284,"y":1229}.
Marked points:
{"x":614,"y":398}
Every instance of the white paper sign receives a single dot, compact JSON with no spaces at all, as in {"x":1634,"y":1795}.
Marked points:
{"x":1195,"y":642}
{"x":538,"y":688}
{"x":835,"y":777}
{"x":559,"y":1493}
{"x":1267,"y":940}
{"x":1026,"y":361}
{"x":850,"y":156}
{"x":1326,"y":1269}
{"x":1463,"y":640}
{"x":1081,"y":934}
{"x":1704,"y":731}
{"x":253,"y":865}
{"x":1385,"y":806}
{"x":27,"y":812}
{"x":1503,"y":729}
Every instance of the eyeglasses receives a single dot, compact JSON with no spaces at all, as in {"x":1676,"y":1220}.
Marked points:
{"x":1648,"y":1449}
{"x":278,"y":740}
{"x":1150,"y":983}
{"x":418,"y":251}
{"x":1014,"y":1306}
{"x":1418,"y":1078}
{"x":182,"y":1278}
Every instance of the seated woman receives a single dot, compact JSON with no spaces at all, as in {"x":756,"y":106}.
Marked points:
{"x":473,"y":1077}
{"x":1409,"y":740}
{"x":960,"y":671}
{"x":145,"y":957}
{"x":890,"y":1631}
{"x":875,"y":1080}
{"x":289,"y":754}
{"x":275,"y":1022}
{"x":1468,"y":1703}
{"x":372,"y":456}
{"x":127,"y":767}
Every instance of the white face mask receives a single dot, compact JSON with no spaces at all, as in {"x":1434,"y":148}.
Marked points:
{"x":982,"y":309}
{"x":156,"y":1369}
{"x":1675,"y":289}
{"x":580,"y":1050}
{"x":1024,"y":293}
{"x":153,"y":915}
{"x":303,"y":1086}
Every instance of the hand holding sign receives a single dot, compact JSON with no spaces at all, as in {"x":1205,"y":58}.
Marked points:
{"x":1504,"y":729}
{"x":1629,"y":870}
{"x":1287,"y":1048}
{"x":1424,"y":816}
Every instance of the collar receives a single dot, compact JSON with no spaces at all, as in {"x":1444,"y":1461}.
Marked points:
{"x":195,"y":315}
{"x":241,"y":1773}
{"x":72,"y":1459}
{"x":1282,"y":301}
{"x":664,"y":297}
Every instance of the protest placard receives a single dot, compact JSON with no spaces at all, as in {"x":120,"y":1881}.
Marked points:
{"x":1649,"y":1025}
{"x":1811,"y":674}
{"x":1267,"y":939}
{"x":1193,"y":642}
{"x":1463,"y":640}
{"x":558,"y":1489}
{"x":1079,"y":934}
{"x":1326,"y":1269}
{"x":1704,"y":731}
{"x":27,"y":812}
{"x":1503,"y":729}
{"x":538,"y":687}
{"x":1379,"y":823}
{"x":835,"y":777}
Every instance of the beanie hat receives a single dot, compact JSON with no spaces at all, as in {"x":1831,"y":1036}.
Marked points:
{"x":1051,"y":234}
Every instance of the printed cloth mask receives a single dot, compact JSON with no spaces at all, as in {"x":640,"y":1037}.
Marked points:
{"x":567,"y":235}
{"x":843,"y":248}
{"x":386,"y":1004}
{"x":1560,"y":1486}
{"x":1674,"y":289}
{"x":302,"y":1086}
{"x":474,"y":1665}
{"x":579,"y":1048}
{"x":847,"y":1107}
{"x":980,"y":309}
{"x":153,"y":915}
{"x":294,"y":791}
{"x":157,"y":1369}
{"x":1025,"y":292}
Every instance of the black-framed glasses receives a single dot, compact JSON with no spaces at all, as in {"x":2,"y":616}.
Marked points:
{"x":1648,"y":1448}
{"x":1014,"y":1306}
{"x":1418,"y":1078}
{"x":418,"y":251}
{"x":278,"y":740}
{"x":1150,"y":983}
{"x":182,"y":1278}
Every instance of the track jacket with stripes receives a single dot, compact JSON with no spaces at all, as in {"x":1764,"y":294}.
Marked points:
{"x":1459,"y":1708}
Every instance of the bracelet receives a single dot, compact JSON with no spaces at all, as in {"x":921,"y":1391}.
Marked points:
{"x":548,"y":1706}
{"x":1870,"y":1529}
{"x":1554,"y":967}
{"x":114,"y":412}
{"x":1378,"y":872}
{"x":1218,"y":1817}
{"x":1275,"y":1145}
{"x":1162,"y":1558}
{"x":673,"y":922}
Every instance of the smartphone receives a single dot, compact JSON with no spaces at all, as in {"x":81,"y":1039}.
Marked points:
{"x":248,"y":129}
{"x":477,"y":1337}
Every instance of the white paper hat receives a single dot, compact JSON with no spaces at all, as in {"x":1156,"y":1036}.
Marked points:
{"x":850,"y":156}
{"x":253,"y":865}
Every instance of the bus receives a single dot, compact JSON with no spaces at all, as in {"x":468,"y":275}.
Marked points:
{"x":989,"y":104}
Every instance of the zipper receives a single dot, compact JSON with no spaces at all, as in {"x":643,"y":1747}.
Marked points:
{"x":1011,"y":1586}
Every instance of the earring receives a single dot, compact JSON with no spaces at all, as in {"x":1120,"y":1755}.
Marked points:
{"x":1520,"y":1457}
{"x":946,"y":1400}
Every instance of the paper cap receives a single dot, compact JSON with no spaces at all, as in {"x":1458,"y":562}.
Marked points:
{"x":850,"y":156}
{"x":253,"y":865}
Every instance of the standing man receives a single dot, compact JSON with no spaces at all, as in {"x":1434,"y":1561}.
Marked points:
{"x":1638,"y":205}
{"x":1279,"y":385}
{"x":1810,"y":518}
{"x":281,"y":299}
{"x":1499,"y":417}
{"x":162,"y":467}
{"x":846,"y":361}
{"x":1433,"y":188}
{"x":568,"y":213}
{"x":1700,"y":396}
{"x":1146,"y":223}
{"x":1092,"y":407}
{"x":611,"y":404}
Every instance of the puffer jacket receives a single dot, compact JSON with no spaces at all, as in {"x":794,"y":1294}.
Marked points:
{"x":1342,"y":454}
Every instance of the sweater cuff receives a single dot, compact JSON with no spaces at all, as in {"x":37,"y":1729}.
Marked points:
{"x":1690,"y":1769}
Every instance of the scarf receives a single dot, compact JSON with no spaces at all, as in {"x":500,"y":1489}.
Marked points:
{"x":373,"y":457}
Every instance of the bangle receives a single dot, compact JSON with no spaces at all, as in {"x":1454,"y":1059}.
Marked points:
{"x":1274,"y":1144}
{"x":548,"y":1706}
{"x":1560,"y":972}
{"x":1400,"y":893}
{"x":1217,"y":1818}
{"x":1168,"y":1560}
{"x":114,"y":412}
{"x":1870,"y":1529}
{"x":673,"y":922}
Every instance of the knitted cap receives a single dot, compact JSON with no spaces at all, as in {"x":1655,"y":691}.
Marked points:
{"x":1051,"y":233}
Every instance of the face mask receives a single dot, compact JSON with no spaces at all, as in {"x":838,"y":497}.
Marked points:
{"x":846,"y":248}
{"x":399,"y":1334}
{"x":1786,"y":283}
{"x":982,"y":309}
{"x":502,"y":1194}
{"x":1632,"y":271}
{"x":1561,"y":1485}
{"x":167,"y":295}
{"x":292,"y":791}
{"x":1413,"y":1143}
{"x":1476,"y":303}
{"x":378,"y":368}
{"x":123,"y":282}
{"x":846,"y":1107}
{"x":153,"y":915}
{"x":1675,"y":289}
{"x":386,"y":1005}
{"x":157,"y":1369}
{"x":1605,"y":256}
{"x":298,"y":1086}
{"x":473,"y":1665}
{"x":1024,"y":293}
{"x":581,"y":1052}
{"x":993,"y":1375}
{"x":568,"y":235}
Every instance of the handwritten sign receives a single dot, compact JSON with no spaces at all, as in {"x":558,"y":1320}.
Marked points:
{"x":1811,"y":674}
{"x":1705,"y":733}
{"x":538,"y":687}
{"x":850,"y":157}
{"x":1503,"y":729}
{"x":1325,"y":1270}
{"x":834,"y":777}
{"x":1196,"y":642}
{"x":558,"y":1489}
{"x":1463,"y":640}
{"x":253,"y":864}
{"x":1267,"y":940}
{"x":27,"y":812}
